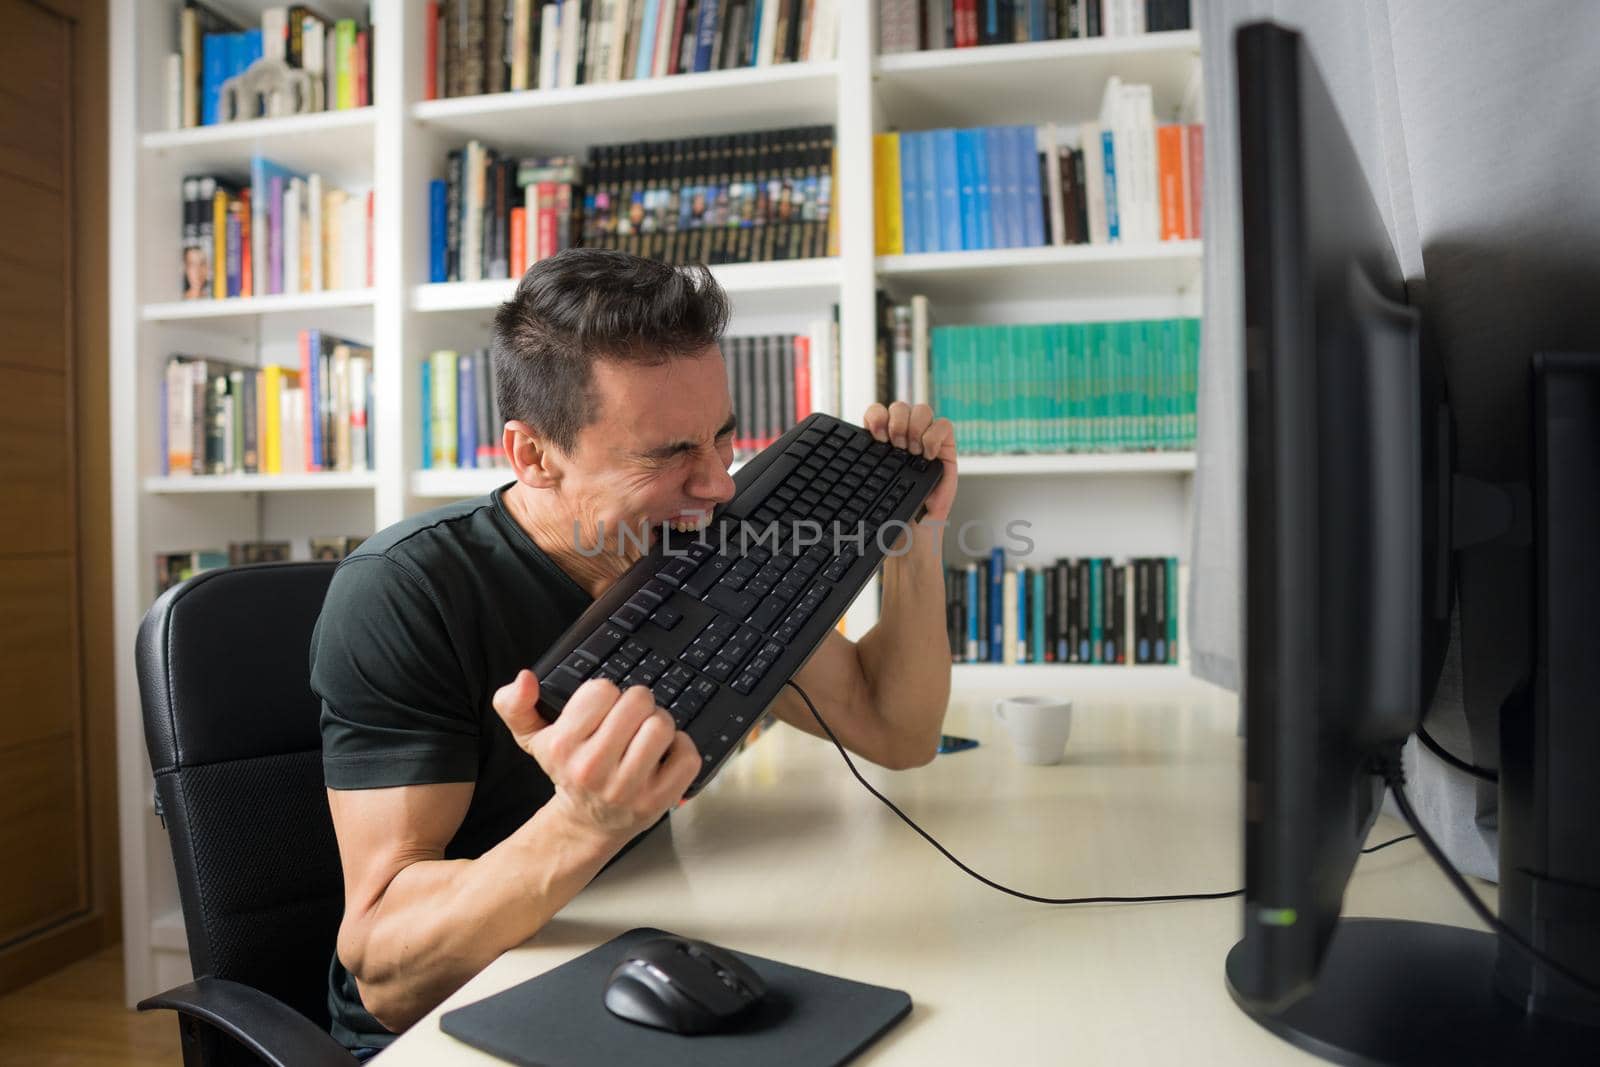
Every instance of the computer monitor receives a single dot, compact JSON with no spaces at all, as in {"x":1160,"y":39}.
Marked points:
{"x":1348,"y":548}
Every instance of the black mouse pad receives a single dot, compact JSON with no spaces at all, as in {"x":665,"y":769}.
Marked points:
{"x":559,"y":1019}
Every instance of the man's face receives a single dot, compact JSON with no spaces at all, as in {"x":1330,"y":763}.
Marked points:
{"x":658,"y":451}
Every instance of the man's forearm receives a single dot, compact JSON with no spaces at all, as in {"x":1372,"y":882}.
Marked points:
{"x":906,"y":656}
{"x":442,"y":921}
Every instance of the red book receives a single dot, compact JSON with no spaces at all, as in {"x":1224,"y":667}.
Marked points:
{"x":519,"y":241}
{"x":369,"y":238}
{"x":247,"y":282}
{"x":308,"y":401}
{"x":546,"y":241}
{"x":677,"y":38}
{"x":802,"y":377}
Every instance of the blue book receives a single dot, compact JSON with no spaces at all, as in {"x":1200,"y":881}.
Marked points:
{"x":1032,"y":187}
{"x":948,"y":181}
{"x":1040,"y":591}
{"x":1037,"y":28}
{"x":967,"y":168}
{"x":755,"y":30}
{"x":1022,"y":615}
{"x":1113,"y":228}
{"x":983,"y":183}
{"x":997,"y":626}
{"x":911,"y":193}
{"x":705,"y":34}
{"x":466,"y":413}
{"x":996,"y":155}
{"x":1096,"y":609}
{"x":991,"y":23}
{"x":214,"y":49}
{"x":427,"y":414}
{"x":927,"y":191}
{"x":437,"y":223}
{"x":311,"y":362}
{"x":652,"y":13}
{"x":972,"y":614}
{"x":247,"y":50}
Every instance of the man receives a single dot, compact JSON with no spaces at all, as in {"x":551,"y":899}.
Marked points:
{"x":457,"y":845}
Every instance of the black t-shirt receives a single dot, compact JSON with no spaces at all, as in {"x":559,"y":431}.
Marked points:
{"x":421,"y":625}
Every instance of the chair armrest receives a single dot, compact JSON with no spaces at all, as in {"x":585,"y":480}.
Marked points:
{"x":273,"y":1031}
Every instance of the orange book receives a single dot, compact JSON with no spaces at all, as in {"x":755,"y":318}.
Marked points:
{"x":1169,"y":178}
{"x":219,"y":242}
{"x":247,"y":284}
{"x":802,"y":377}
{"x":519,"y":241}
{"x":1196,"y":159}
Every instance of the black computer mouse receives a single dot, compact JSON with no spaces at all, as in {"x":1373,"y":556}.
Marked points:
{"x":682,"y":986}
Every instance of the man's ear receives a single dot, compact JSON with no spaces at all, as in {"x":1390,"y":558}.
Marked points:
{"x":533,"y":458}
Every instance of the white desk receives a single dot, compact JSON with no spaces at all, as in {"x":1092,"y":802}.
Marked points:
{"x":786,"y":856}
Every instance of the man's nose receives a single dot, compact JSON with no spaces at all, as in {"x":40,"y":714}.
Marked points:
{"x":712,"y":480}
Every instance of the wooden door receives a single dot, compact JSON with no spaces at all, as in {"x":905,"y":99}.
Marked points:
{"x":57,"y":785}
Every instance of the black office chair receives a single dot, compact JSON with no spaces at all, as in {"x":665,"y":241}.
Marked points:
{"x":231,"y":726}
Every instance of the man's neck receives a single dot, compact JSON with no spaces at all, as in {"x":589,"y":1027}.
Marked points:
{"x":552,"y":528}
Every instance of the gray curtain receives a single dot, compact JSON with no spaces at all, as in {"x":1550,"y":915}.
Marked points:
{"x":1475,"y":124}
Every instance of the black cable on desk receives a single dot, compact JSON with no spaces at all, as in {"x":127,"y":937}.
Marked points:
{"x":987,"y":881}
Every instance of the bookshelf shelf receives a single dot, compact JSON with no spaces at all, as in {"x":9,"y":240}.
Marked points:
{"x":1043,"y":81}
{"x":460,"y":484}
{"x":252,"y":306}
{"x":263,"y":483}
{"x":329,"y":142}
{"x":1054,"y":272}
{"x":566,"y":120}
{"x":790,"y":280}
{"x":1069,"y":676}
{"x":1087,"y":463}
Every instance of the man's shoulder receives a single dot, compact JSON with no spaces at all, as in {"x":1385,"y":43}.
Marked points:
{"x":422,"y":534}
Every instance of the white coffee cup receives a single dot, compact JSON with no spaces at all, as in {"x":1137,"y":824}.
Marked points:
{"x":1038,"y":726}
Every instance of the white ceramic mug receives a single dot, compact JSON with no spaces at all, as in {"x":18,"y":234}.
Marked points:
{"x":1038,"y":726}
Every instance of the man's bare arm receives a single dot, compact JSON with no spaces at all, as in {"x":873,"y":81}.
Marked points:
{"x":417,"y":926}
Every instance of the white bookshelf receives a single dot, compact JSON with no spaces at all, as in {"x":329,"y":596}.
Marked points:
{"x":1079,"y":505}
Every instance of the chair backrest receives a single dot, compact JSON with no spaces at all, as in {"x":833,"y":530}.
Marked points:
{"x":231,"y":726}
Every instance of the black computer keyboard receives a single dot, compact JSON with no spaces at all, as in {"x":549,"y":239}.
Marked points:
{"x":716,"y":622}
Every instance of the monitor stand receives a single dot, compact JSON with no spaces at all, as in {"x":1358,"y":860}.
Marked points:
{"x":1393,"y":991}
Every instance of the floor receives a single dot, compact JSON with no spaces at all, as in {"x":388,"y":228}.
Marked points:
{"x":76,"y":1017}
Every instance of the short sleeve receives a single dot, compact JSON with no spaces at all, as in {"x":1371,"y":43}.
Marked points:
{"x":395,"y":703}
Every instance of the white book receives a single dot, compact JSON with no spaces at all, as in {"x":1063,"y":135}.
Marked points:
{"x":1094,"y":181}
{"x":1139,"y":115}
{"x":180,"y":419}
{"x":292,"y":430}
{"x":275,"y":33}
{"x":622,"y":17}
{"x":172,"y":101}
{"x":521,"y":26}
{"x":293,"y":196}
{"x":337,"y":451}
{"x":353,"y":241}
{"x":822,"y":367}
{"x":333,"y":226}
{"x":597,"y":43}
{"x":319,"y":238}
{"x":1045,"y":141}
{"x":1009,"y":638}
{"x":360,"y":368}
{"x":919,"y":350}
{"x":314,"y":42}
{"x":571,"y":27}
{"x":1113,"y":118}
{"x":549,"y":51}
{"x":472,"y":213}
{"x":824,"y":30}
{"x":766,"y":43}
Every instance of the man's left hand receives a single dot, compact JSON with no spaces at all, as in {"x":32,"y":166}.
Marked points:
{"x":918,"y":432}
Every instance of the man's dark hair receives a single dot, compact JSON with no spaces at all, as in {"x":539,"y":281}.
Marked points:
{"x":587,"y":304}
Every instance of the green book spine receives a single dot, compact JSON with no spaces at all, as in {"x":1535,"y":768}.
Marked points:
{"x":1191,"y":390}
{"x":1096,"y":612}
{"x":1036,"y":602}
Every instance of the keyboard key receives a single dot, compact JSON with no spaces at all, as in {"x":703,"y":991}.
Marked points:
{"x":653,"y":666}
{"x":756,"y":493}
{"x":665,"y":693}
{"x":767,"y":613}
{"x":685,"y":708}
{"x":629,"y":617}
{"x":678,"y":675}
{"x":562,"y":683}
{"x":579,"y":663}
{"x":919,"y":463}
{"x":674,"y":571}
{"x":698,"y":653}
{"x":758,"y":586}
{"x":700,"y":550}
{"x":666,"y":616}
{"x":721,"y":668}
{"x":635,"y":650}
{"x":746,"y":682}
{"x":603,"y":642}
{"x":787,"y":631}
{"x":737,"y":604}
{"x":704,"y":686}
{"x":706,"y":577}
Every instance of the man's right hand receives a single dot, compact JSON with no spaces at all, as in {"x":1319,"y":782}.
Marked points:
{"x":617,"y":760}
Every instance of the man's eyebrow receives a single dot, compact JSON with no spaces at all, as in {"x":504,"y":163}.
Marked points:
{"x":674,"y":448}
